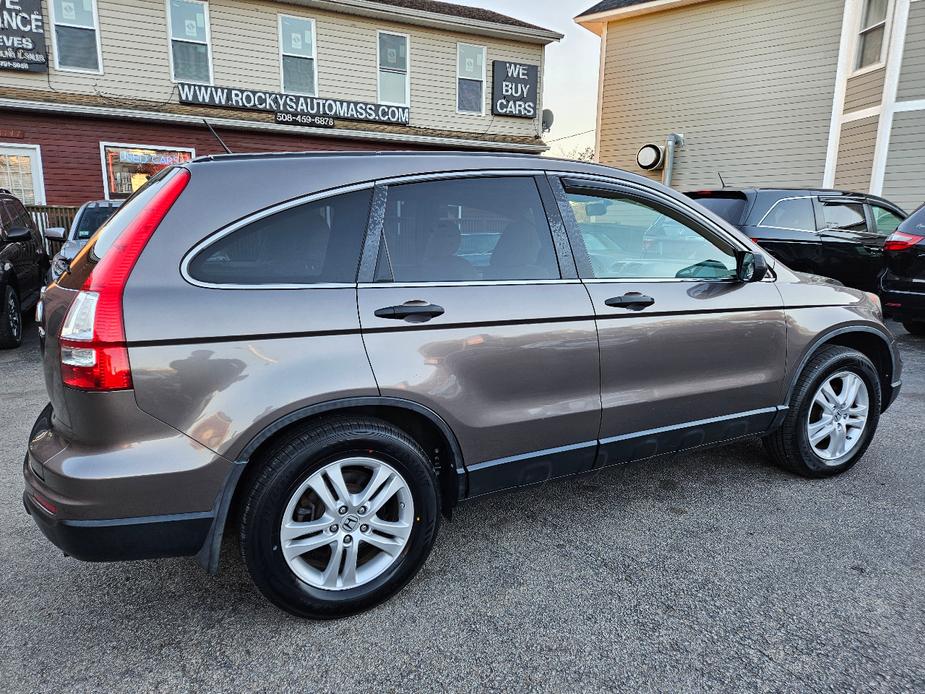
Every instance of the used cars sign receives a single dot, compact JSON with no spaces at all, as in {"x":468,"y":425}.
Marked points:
{"x":514,"y":89}
{"x":22,"y":36}
{"x":258,"y":100}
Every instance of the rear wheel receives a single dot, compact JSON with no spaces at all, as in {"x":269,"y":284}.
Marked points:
{"x":342,"y":515}
{"x":916,"y":328}
{"x":833,"y":415}
{"x":10,"y":319}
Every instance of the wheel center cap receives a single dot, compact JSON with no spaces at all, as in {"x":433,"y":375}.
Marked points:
{"x":350,"y":523}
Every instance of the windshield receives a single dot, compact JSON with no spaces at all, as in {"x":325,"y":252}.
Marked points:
{"x":730,"y":207}
{"x":91,"y":220}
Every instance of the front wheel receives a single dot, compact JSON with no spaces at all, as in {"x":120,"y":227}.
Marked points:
{"x":833,"y":415}
{"x":342,"y":515}
{"x":10,"y":319}
{"x":916,"y":328}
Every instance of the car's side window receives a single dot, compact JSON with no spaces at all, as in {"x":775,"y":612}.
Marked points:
{"x":629,"y":239}
{"x":794,"y":214}
{"x":466,"y":230}
{"x":844,"y":216}
{"x":885,"y":220}
{"x":318,"y":242}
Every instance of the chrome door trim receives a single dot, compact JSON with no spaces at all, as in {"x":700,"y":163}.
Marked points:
{"x":464,"y":283}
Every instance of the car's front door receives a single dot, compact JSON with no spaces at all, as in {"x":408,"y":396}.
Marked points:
{"x":28,"y":251}
{"x":689,"y":354}
{"x":470,"y":305}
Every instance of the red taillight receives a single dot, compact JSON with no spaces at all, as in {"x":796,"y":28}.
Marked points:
{"x":898,"y":241}
{"x":93,"y":352}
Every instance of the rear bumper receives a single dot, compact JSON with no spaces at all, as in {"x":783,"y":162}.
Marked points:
{"x":125,"y":539}
{"x":903,"y":305}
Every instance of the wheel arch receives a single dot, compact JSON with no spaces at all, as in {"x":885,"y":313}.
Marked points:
{"x":421,"y":423}
{"x":869,"y":341}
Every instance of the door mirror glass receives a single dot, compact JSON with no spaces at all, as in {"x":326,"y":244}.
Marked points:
{"x":19,"y":234}
{"x":54,"y":233}
{"x":750,"y":267}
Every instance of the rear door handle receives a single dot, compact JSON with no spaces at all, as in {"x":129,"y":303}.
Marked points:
{"x":631,"y":300}
{"x":418,"y":311}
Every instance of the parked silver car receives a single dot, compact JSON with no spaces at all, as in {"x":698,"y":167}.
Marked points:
{"x":88,"y":219}
{"x":312,"y":351}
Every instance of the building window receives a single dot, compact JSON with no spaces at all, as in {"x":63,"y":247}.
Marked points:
{"x":190,"y":56}
{"x":128,"y":167}
{"x":297,"y":55}
{"x":470,"y":78}
{"x":21,"y":173}
{"x":393,"y":69}
{"x":76,"y":35}
{"x":872,"y":41}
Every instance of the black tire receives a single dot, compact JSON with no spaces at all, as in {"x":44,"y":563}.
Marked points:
{"x":916,"y":328}
{"x":290,"y":462}
{"x":789,"y":446}
{"x":11,"y":319}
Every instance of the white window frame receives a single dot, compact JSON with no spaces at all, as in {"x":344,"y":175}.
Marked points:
{"x":38,"y":177}
{"x":207,"y":44}
{"x":407,"y":38}
{"x":484,"y":78}
{"x":162,"y":148}
{"x":314,"y":55}
{"x":887,"y":25}
{"x":96,"y":32}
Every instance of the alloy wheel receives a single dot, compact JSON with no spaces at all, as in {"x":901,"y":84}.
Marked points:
{"x":13,"y":316}
{"x":347,"y":523}
{"x":838,"y":416}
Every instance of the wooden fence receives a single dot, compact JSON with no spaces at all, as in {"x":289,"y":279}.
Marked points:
{"x":46,"y":216}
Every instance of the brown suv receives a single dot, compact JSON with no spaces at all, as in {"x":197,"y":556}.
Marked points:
{"x":324,"y":352}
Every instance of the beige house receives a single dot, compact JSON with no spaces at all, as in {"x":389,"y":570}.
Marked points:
{"x":767,"y":92}
{"x":96,"y":94}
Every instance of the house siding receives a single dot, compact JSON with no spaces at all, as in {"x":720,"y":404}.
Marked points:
{"x":904,"y":183}
{"x":245,"y":53}
{"x":758,"y":114}
{"x":865,"y":91}
{"x":912,"y":77}
{"x":856,"y":154}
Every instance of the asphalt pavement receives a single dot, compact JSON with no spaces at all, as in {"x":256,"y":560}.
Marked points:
{"x":705,"y":571}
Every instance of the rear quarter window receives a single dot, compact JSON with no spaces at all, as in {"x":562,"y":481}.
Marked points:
{"x":314,"y":243}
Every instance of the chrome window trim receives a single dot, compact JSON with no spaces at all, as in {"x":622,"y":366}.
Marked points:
{"x":463,"y":283}
{"x":761,"y":224}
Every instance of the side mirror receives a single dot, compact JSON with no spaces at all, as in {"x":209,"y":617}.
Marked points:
{"x":750,"y":267}
{"x":54,"y":233}
{"x":19,"y":234}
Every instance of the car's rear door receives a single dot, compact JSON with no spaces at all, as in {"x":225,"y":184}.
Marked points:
{"x":689,"y":355}
{"x":853,"y":253}
{"x":470,"y":305}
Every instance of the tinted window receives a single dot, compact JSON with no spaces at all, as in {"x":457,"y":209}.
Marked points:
{"x":318,"y":242}
{"x":729,"y":207}
{"x":847,"y":216}
{"x":19,"y":215}
{"x":629,"y":239}
{"x":91,"y":220}
{"x":467,"y":230}
{"x":791,"y":214}
{"x":885,"y":220}
{"x":915,"y":224}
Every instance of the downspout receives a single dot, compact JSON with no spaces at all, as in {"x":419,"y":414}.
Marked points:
{"x":673,"y":143}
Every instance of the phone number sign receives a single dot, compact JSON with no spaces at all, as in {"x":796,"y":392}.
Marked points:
{"x":22,"y":36}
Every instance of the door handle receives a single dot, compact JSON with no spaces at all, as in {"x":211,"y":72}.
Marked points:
{"x":631,"y":300}
{"x":417,"y":312}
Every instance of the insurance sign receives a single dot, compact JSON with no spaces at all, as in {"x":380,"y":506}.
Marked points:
{"x":258,"y":100}
{"x":22,"y":36}
{"x":514,"y":87}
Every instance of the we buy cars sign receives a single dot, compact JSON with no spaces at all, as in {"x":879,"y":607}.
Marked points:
{"x":513,"y":91}
{"x":22,"y":36}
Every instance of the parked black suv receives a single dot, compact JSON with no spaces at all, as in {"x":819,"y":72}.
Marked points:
{"x":23,"y":264}
{"x":903,"y":283}
{"x":833,"y":233}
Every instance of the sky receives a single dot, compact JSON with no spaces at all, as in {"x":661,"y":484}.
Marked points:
{"x":570,"y":86}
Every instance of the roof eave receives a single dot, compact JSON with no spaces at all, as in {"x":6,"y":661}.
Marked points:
{"x":403,"y":15}
{"x":596,"y":22}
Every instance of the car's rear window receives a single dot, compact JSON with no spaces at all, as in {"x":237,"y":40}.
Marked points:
{"x":915,"y":224}
{"x":91,"y":220}
{"x":729,"y":206}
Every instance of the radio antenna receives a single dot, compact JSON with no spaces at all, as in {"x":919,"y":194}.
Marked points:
{"x":215,"y":135}
{"x":721,"y":179}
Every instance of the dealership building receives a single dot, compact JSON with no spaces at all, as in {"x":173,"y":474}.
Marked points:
{"x":97,"y":95}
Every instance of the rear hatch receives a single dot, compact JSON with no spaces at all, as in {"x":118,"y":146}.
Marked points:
{"x":80,"y":316}
{"x":730,"y":205}
{"x":905,"y":255}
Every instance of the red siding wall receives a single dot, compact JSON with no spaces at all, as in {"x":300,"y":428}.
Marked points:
{"x":71,"y":147}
